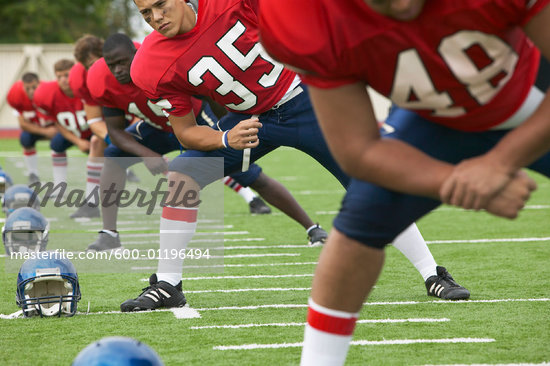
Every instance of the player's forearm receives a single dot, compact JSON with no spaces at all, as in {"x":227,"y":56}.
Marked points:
{"x":525,"y":144}
{"x":68,"y":135}
{"x":395,"y":165}
{"x":201,"y":138}
{"x":29,"y":126}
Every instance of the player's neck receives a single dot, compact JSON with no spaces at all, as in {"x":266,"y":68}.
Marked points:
{"x":189,"y":19}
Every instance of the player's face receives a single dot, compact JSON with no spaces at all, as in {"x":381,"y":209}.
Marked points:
{"x":63,"y":81}
{"x":119,"y":61}
{"x":403,"y":10}
{"x":164,"y":16}
{"x":30,"y":88}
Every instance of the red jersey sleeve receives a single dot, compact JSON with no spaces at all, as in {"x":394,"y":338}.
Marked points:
{"x":43,"y":100}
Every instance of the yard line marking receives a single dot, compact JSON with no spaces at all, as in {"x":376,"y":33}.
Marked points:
{"x":487,"y":240}
{"x":497,"y":364}
{"x":290,"y":306}
{"x":239,"y":277}
{"x":184,"y":312}
{"x":176,"y":231}
{"x":256,"y":255}
{"x":235,"y":265}
{"x":358,"y":343}
{"x":250,"y":290}
{"x":363,"y":321}
{"x":141,"y":242}
{"x":528,"y":207}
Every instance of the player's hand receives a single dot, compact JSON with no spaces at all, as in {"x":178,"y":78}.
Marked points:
{"x":49,"y":132}
{"x":511,"y":199}
{"x":83,"y":145}
{"x":244,"y":134}
{"x":473,"y":182}
{"x":156,"y":164}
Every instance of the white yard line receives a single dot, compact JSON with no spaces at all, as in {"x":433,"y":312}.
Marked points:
{"x":459,"y":302}
{"x":362,"y":321}
{"x":239,"y":277}
{"x":234,"y":265}
{"x":357,"y":343}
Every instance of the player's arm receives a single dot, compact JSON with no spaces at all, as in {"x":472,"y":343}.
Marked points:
{"x":94,"y":117}
{"x":477,"y":179}
{"x":83,"y":145}
{"x":347,"y":119}
{"x":204,"y":138}
{"x":115,"y":120}
{"x":26,"y":125}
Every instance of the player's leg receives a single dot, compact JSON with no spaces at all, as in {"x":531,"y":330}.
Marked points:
{"x":114,"y":176}
{"x":178,"y":224}
{"x":28,"y":142}
{"x":59,"y":146}
{"x":277,"y":195}
{"x":269,"y":189}
{"x":350,"y":264}
{"x":94,"y":164}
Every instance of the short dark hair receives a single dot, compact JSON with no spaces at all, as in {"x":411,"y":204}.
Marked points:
{"x":29,"y":77}
{"x":119,"y":40}
{"x":63,"y":64}
{"x":88,"y":45}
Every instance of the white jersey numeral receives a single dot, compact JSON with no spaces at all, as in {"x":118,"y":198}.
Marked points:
{"x":75,"y":125}
{"x":155,"y":108}
{"x":227,"y":82}
{"x":413,"y":87}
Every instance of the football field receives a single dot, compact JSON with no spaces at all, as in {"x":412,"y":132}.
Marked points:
{"x":251,"y":310}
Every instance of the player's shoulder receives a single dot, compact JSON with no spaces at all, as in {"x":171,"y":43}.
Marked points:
{"x":151,"y":60}
{"x":16,"y":95}
{"x":98,"y":78}
{"x":46,"y":91}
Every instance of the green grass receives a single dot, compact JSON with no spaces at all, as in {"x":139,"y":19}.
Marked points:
{"x":494,"y":272}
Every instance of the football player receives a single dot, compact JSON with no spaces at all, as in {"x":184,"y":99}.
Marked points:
{"x":33,"y":127}
{"x":213,"y":50}
{"x":467,"y":120}
{"x":111,"y":86}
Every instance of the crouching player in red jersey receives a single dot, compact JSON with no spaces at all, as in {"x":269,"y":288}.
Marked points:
{"x":33,"y":127}
{"x":467,"y":120}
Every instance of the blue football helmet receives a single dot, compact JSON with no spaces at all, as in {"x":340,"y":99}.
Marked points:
{"x":5,"y":182}
{"x":25,"y":230}
{"x":47,"y":285}
{"x":117,"y":351}
{"x":17,"y":196}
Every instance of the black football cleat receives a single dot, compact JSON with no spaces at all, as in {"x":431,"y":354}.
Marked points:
{"x":105,"y":242}
{"x":258,"y":206}
{"x":156,"y":295}
{"x":444,"y":286}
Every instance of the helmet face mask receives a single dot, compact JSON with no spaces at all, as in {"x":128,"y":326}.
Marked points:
{"x":48,"y":286}
{"x":26,"y":230}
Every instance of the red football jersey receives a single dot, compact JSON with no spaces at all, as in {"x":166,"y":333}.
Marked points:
{"x":220,"y":57}
{"x":19,"y":100}
{"x":52,"y":103}
{"x":108,"y":92}
{"x":78,"y":83}
{"x":465,"y":64}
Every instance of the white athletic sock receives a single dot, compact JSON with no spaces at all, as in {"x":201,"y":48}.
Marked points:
{"x":59,"y":161}
{"x":177,"y":227}
{"x":93,"y":173}
{"x":31,"y":161}
{"x":245,"y":192}
{"x":411,"y":243}
{"x":327,"y":336}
